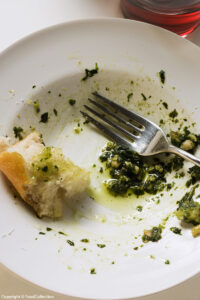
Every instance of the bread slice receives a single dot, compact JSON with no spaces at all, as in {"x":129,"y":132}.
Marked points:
{"x":42,"y":175}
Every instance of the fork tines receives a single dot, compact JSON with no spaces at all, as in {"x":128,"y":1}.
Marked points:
{"x":109,"y":112}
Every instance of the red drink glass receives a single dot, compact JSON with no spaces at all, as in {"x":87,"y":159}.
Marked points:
{"x":179,"y":16}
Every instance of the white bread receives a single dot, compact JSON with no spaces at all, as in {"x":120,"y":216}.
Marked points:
{"x":42,"y":175}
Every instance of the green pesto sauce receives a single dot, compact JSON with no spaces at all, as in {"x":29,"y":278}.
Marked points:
{"x":189,"y":210}
{"x":132,"y":174}
{"x":48,"y":164}
{"x":153,"y":235}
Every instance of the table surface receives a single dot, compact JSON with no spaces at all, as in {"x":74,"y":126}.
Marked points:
{"x":19,"y":18}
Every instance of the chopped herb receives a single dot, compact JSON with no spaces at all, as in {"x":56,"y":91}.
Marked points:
{"x":189,"y":210}
{"x":70,"y":243}
{"x":129,"y":96}
{"x":173,"y":114}
{"x":162,"y":76}
{"x":48,"y":229}
{"x":55,"y":112}
{"x":101,"y":170}
{"x":84,"y":249}
{"x":45,"y":169}
{"x":152,"y":235}
{"x":112,"y":263}
{"x":44,"y":117}
{"x":85,"y":241}
{"x":18,"y":132}
{"x":92,"y":271}
{"x":90,"y":73}
{"x":167,"y":262}
{"x":139,"y":208}
{"x":135,"y":248}
{"x":165,"y":105}
{"x":144,"y":97}
{"x":60,"y":232}
{"x":72,"y":102}
{"x":176,"y":230}
{"x":49,"y":92}
{"x":59,"y":95}
{"x":101,"y":245}
{"x":86,"y":121}
{"x":42,"y":233}
{"x":34,"y":86}
{"x":161,"y":121}
{"x":195,"y":175}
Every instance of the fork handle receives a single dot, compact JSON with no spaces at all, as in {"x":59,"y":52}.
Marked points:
{"x":184,"y":155}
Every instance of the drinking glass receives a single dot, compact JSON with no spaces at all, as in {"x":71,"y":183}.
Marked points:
{"x":179,"y":16}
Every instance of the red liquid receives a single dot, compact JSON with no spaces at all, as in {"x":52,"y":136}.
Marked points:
{"x":159,"y":12}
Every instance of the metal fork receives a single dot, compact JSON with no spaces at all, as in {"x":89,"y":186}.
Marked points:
{"x":135,"y":132}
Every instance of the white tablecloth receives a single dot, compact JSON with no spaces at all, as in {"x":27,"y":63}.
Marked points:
{"x":19,"y":18}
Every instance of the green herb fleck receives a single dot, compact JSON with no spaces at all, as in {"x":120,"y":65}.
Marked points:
{"x":34,"y":86}
{"x":86,"y":121}
{"x":144,"y":97}
{"x":70,"y":243}
{"x":101,"y":245}
{"x":101,"y":170}
{"x":42,"y":233}
{"x":60,"y":232}
{"x":55,"y":112}
{"x":90,"y":73}
{"x":139,"y":208}
{"x":85,"y":241}
{"x":173,"y":114}
{"x":162,"y":76}
{"x":129,"y":96}
{"x":18,"y":132}
{"x":44,"y":117}
{"x":165,"y":105}
{"x":48,"y":229}
{"x":167,"y":262}
{"x":176,"y":230}
{"x":72,"y":102}
{"x":92,"y":271}
{"x":45,"y":169}
{"x":152,"y":235}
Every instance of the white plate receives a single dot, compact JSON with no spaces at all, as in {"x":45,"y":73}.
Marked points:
{"x":54,"y":59}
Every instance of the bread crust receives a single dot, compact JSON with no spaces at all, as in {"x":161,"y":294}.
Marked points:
{"x":12,"y":164}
